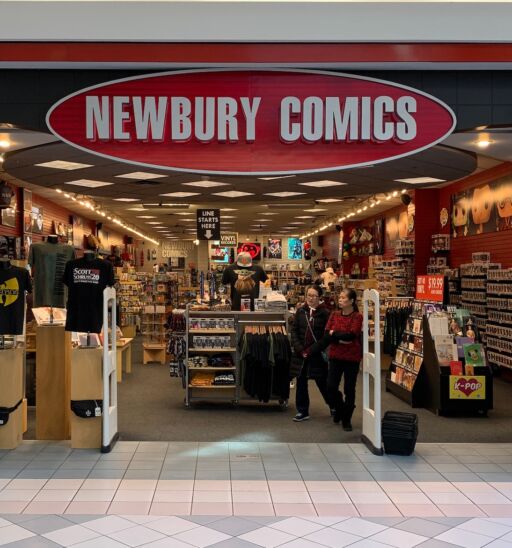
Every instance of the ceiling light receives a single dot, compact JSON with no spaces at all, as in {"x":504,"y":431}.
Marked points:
{"x":61,"y":164}
{"x":205,"y":184}
{"x":233,"y":194}
{"x":234,"y":209}
{"x":395,"y":194}
{"x":377,"y":202}
{"x":180,"y":194}
{"x":322,"y":184}
{"x":58,"y":190}
{"x":153,"y":222}
{"x":420,"y":180}
{"x":184,"y":213}
{"x":305,"y":217}
{"x":283,"y":194}
{"x":297,"y":223}
{"x":140,"y":176}
{"x":273,"y":178}
{"x":372,"y":204}
{"x":267,"y":213}
{"x":388,"y":197}
{"x":135,"y":209}
{"x":315,"y":210}
{"x":359,"y":210}
{"x":228,"y":217}
{"x":4,"y":144}
{"x":329,"y":200}
{"x":365,"y":208}
{"x":146,"y":216}
{"x":127,"y":199}
{"x":67,"y":195}
{"x":262,"y":220}
{"x":89,"y":183}
{"x":483,"y":143}
{"x":1,"y":158}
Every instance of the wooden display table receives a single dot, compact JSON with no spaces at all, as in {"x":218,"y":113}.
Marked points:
{"x":86,"y":384}
{"x":153,"y":353}
{"x":11,"y":392}
{"x":53,"y":353}
{"x":124,"y":357}
{"x":129,"y":331}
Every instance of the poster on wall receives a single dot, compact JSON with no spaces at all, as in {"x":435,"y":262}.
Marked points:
{"x":253,"y":248}
{"x":275,"y":248}
{"x":307,"y":250}
{"x":9,"y":214}
{"x":37,"y":219}
{"x":27,"y":211}
{"x":78,"y":231}
{"x":486,"y":208}
{"x":294,"y":249}
{"x":378,"y":237}
{"x":219,"y":254}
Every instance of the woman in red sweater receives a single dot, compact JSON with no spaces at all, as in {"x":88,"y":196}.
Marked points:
{"x":345,"y":353}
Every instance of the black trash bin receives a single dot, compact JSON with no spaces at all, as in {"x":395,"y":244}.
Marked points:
{"x":399,"y":432}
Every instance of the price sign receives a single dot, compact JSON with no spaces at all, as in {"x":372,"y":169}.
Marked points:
{"x":430,"y":288}
{"x":208,"y":224}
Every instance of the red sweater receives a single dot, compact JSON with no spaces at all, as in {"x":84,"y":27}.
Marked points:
{"x":349,"y":351}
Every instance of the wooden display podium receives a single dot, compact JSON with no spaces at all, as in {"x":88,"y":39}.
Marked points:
{"x":53,"y":353}
{"x":11,"y":392}
{"x":86,"y":384}
{"x":153,"y":353}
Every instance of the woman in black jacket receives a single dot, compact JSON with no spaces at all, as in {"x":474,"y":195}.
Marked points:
{"x":307,"y":328}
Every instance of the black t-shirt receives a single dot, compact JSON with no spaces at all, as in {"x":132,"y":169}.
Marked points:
{"x":14,"y":281}
{"x":230,"y":277}
{"x":86,"y":281}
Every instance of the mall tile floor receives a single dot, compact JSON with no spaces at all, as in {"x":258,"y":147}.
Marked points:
{"x":237,"y":494}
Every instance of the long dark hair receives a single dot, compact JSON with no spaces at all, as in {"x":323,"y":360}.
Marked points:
{"x":352,"y":295}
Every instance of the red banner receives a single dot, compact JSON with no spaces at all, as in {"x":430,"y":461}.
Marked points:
{"x":430,"y":288}
{"x":251,"y":122}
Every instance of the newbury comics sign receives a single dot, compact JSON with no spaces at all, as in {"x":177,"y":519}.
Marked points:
{"x":257,"y":122}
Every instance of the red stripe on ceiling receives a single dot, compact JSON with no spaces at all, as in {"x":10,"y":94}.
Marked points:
{"x":253,"y":53}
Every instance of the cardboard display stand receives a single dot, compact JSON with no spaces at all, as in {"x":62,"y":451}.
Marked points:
{"x":11,"y":392}
{"x":86,"y":384}
{"x":53,"y":353}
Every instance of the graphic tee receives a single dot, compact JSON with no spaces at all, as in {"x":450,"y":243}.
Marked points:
{"x":232,"y":274}
{"x":48,"y":262}
{"x":14,"y":282}
{"x":86,"y":281}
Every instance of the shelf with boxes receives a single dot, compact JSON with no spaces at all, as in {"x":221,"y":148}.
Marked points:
{"x":128,"y":291}
{"x":499,"y":317}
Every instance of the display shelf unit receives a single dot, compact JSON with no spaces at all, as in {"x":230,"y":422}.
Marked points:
{"x":474,"y":291}
{"x":499,"y":317}
{"x":226,"y":393}
{"x":153,"y":332}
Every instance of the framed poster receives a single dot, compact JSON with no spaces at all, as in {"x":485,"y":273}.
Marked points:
{"x":294,"y":249}
{"x":378,"y":237}
{"x":78,"y":231}
{"x":9,"y":214}
{"x":253,"y":248}
{"x":37,"y":219}
{"x":27,"y":211}
{"x":275,"y":248}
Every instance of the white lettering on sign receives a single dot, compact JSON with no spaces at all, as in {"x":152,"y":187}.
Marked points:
{"x":348,"y":119}
{"x":313,"y":119}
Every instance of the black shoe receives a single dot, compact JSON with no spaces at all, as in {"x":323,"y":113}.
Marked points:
{"x":336,"y":418}
{"x":347,"y":426}
{"x":300,"y":417}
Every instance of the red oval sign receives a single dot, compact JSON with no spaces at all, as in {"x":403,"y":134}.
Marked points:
{"x":251,"y":122}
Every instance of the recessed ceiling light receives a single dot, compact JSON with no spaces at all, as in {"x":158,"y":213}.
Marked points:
{"x":180,"y":194}
{"x":297,"y":223}
{"x":127,"y":199}
{"x":315,"y":210}
{"x":273,"y":178}
{"x":184,"y":213}
{"x":270,"y":214}
{"x":146,"y":216}
{"x":153,"y":223}
{"x":305,"y":217}
{"x":322,"y":184}
{"x":135,"y":209}
{"x":61,"y":164}
{"x":287,"y":227}
{"x":483,"y":143}
{"x":205,"y":184}
{"x":141,"y":176}
{"x":233,"y":194}
{"x":228,"y":217}
{"x":228,"y":209}
{"x":283,"y":194}
{"x":227,"y":223}
{"x":89,"y":183}
{"x":262,"y":220}
{"x":329,"y":200}
{"x":420,"y":180}
{"x":4,"y":144}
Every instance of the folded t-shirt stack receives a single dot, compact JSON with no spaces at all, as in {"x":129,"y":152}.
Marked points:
{"x":202,"y":378}
{"x":224,"y":379}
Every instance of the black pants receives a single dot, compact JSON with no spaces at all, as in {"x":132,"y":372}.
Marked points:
{"x":337,"y":369}
{"x":302,"y":392}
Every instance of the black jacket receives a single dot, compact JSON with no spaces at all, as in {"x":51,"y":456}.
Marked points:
{"x":315,"y":362}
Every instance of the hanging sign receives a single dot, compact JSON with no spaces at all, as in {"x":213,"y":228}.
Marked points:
{"x":229,"y":240}
{"x":257,"y":122}
{"x":467,"y":387}
{"x":430,"y":288}
{"x":208,"y":224}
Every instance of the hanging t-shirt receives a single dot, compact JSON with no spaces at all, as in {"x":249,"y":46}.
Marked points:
{"x":14,"y":281}
{"x":48,"y":262}
{"x":231,"y":276}
{"x":86,"y":279}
